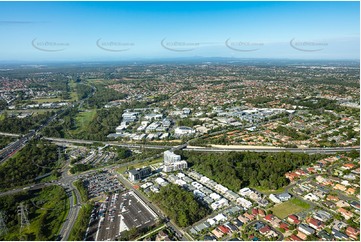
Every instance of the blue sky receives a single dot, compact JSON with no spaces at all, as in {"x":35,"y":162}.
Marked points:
{"x":135,"y":30}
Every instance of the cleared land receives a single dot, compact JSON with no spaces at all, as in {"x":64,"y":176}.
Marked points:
{"x":292,"y":206}
{"x":48,"y":100}
{"x":140,"y":165}
{"x":83,"y":120}
{"x":73,"y":94}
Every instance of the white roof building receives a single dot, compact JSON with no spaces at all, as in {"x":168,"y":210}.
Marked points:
{"x":215,"y":196}
{"x":220,"y":217}
{"x":244,"y":202}
{"x":274,"y":199}
{"x":221,"y":188}
{"x":311,"y":197}
{"x":245,"y":192}
{"x":183,"y":130}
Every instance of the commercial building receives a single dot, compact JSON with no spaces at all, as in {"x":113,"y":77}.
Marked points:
{"x":183,"y":130}
{"x":173,"y":162}
{"x":170,"y":157}
{"x":139,"y":174}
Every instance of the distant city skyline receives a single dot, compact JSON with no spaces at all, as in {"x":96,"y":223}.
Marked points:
{"x":111,"y":31}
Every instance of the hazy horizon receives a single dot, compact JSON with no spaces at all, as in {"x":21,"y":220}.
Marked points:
{"x":135,"y":31}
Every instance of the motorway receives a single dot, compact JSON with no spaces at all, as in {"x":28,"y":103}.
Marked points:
{"x":185,"y":146}
{"x":111,"y":143}
{"x":20,"y":143}
{"x":276,"y":149}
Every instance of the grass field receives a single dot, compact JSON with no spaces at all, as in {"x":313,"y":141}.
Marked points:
{"x":292,"y":206}
{"x":35,"y":111}
{"x":140,"y":165}
{"x":47,"y":100}
{"x":73,"y":94}
{"x":83,"y":120}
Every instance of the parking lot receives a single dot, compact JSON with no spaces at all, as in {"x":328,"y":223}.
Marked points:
{"x":101,"y":183}
{"x":120,"y":212}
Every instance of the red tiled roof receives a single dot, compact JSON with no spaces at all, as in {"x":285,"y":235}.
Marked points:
{"x":352,"y":232}
{"x":295,"y":238}
{"x":254,"y":211}
{"x":315,"y":222}
{"x":293,"y":217}
{"x":224,"y":229}
{"x":265,"y":229}
{"x":261,"y":212}
{"x":284,"y":226}
{"x":269,"y":217}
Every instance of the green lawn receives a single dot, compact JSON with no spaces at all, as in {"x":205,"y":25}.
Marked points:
{"x":35,"y":111}
{"x":83,"y":120}
{"x":121,"y":170}
{"x":73,"y":94}
{"x":294,"y":205}
{"x":48,"y":100}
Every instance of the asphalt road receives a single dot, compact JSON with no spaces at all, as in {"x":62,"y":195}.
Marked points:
{"x":273,"y":150}
{"x":111,"y":143}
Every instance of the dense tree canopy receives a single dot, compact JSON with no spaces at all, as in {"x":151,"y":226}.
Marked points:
{"x":35,"y":159}
{"x":236,"y":170}
{"x":104,"y":95}
{"x":184,"y":213}
{"x":5,"y":140}
{"x":22,"y":125}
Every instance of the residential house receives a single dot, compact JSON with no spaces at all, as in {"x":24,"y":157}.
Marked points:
{"x":269,"y":217}
{"x":223,"y":229}
{"x":284,"y":196}
{"x":332,"y":198}
{"x":342,"y":204}
{"x":340,"y":187}
{"x":265,"y":230}
{"x":338,"y":235}
{"x":238,"y":223}
{"x":305,"y":229}
{"x":315,"y":223}
{"x":345,"y":213}
{"x":284,"y":226}
{"x":243,"y":219}
{"x":325,"y":236}
{"x":293,"y":219}
{"x":249,"y":216}
{"x":274,"y":198}
{"x":311,"y":197}
{"x":295,"y":238}
{"x":301,"y":235}
{"x":322,"y":215}
{"x":352,"y":232}
{"x":217,"y":233}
